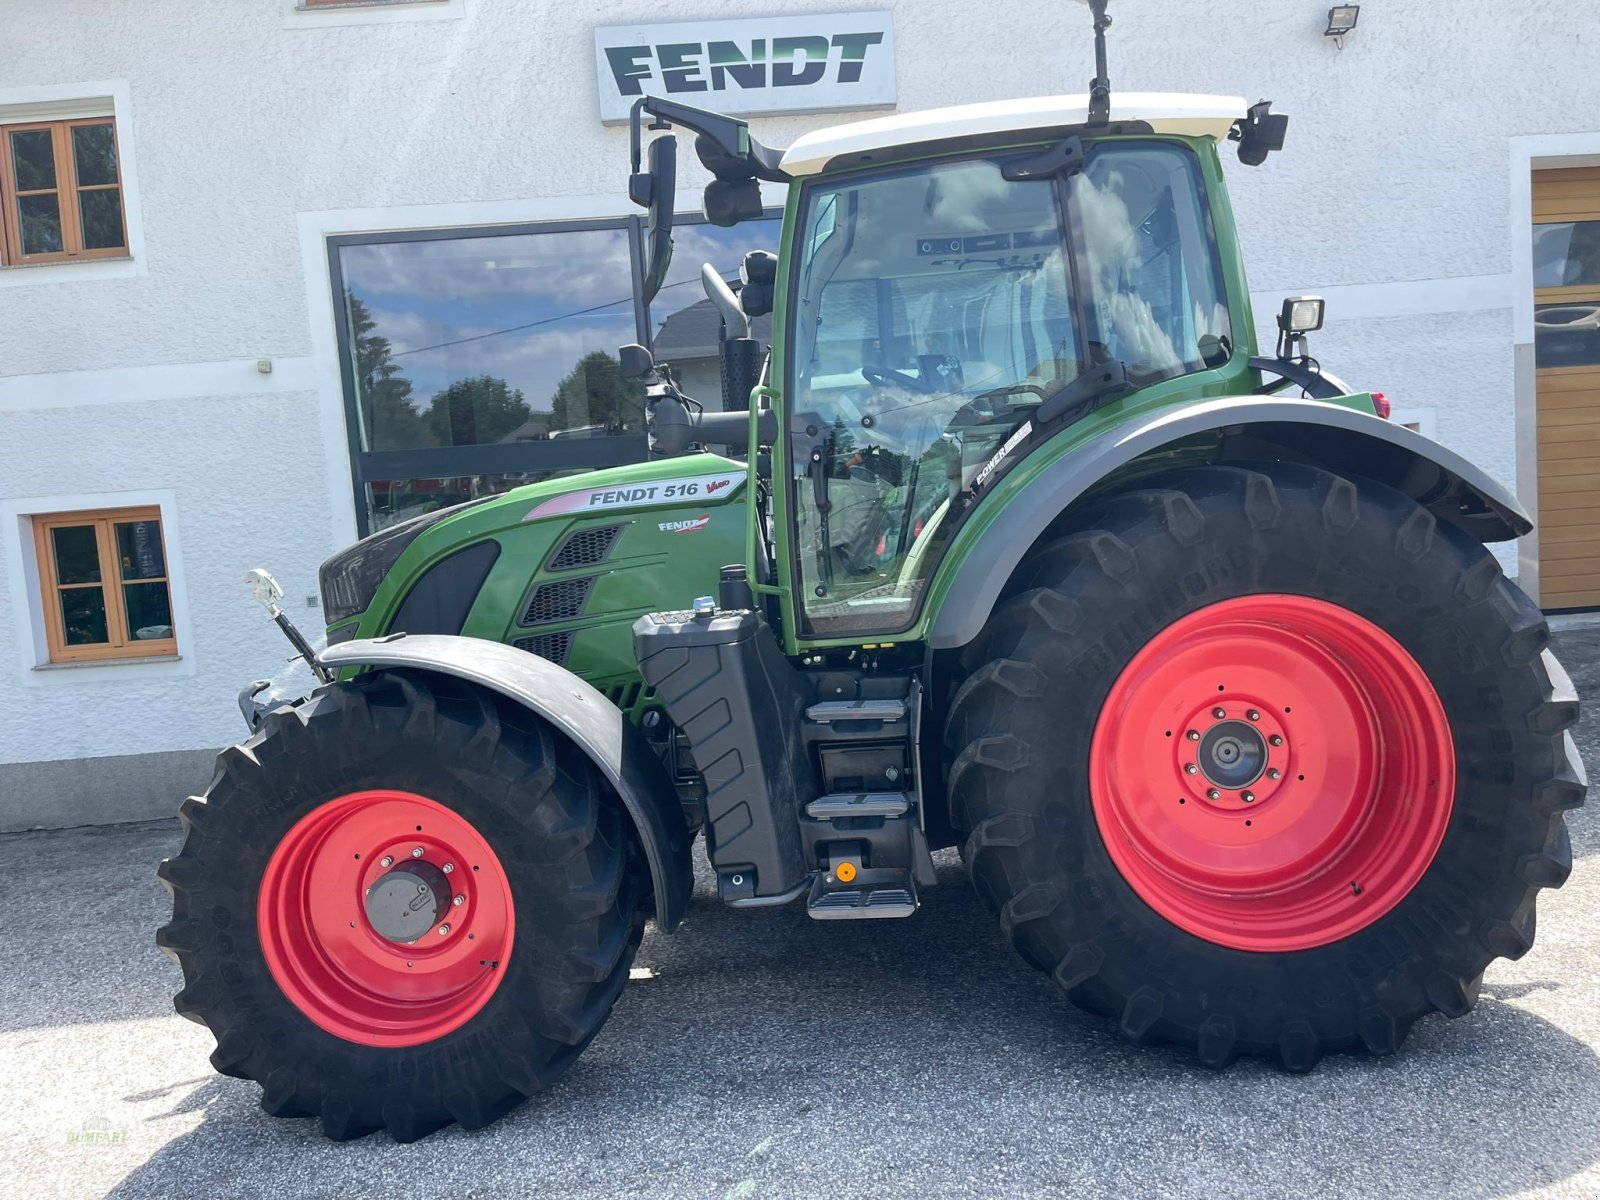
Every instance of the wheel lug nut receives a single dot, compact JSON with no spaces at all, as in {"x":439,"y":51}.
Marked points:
{"x":448,"y":868}
{"x":1194,"y":735}
{"x":1254,"y":715}
{"x":1275,"y":740}
{"x":1248,"y":797}
{"x":386,"y":861}
{"x":443,"y":929}
{"x":1274,"y":773}
{"x":459,"y":901}
{"x":417,"y":853}
{"x":1190,"y":769}
{"x":1219,"y":713}
{"x":1213,"y":794}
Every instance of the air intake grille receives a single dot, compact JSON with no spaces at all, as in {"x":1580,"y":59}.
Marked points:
{"x":585,"y":548}
{"x":554,"y":646}
{"x":558,"y":601}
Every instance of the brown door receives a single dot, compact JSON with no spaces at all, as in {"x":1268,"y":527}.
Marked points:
{"x":1566,"y":278}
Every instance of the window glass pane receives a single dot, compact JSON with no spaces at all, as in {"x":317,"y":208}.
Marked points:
{"x":1157,"y":291}
{"x":94,"y":152}
{"x":77,"y":554}
{"x":83,"y":616}
{"x":149,"y":611}
{"x":393,"y":500}
{"x":33,"y":159}
{"x":41,"y":224}
{"x":479,"y":340}
{"x":1566,"y":255}
{"x":685,"y":326}
{"x":102,"y":219}
{"x":139,"y":554}
{"x":1566,"y":335}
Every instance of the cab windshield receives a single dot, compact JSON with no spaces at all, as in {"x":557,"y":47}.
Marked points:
{"x":936,"y":307}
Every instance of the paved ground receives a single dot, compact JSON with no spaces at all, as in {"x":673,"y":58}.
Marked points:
{"x":769,"y":1055}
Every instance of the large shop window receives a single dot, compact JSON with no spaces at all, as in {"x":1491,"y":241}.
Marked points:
{"x":478,"y":360}
{"x":103,"y":578}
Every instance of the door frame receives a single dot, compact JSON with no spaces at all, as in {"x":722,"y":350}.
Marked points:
{"x":1530,"y":153}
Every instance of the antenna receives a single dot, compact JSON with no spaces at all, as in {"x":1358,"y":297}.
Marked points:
{"x":1100,"y":85}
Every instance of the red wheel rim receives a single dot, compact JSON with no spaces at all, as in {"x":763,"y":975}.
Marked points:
{"x":317,"y":912}
{"x":1272,"y":773}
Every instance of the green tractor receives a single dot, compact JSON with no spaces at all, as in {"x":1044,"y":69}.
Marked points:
{"x":1014,"y":543}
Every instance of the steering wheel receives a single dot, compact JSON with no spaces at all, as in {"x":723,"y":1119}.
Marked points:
{"x":884,"y":377}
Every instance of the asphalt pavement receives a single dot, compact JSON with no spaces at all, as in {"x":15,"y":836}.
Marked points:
{"x":763,"y":1054}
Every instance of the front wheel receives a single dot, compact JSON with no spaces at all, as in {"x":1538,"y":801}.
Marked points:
{"x":403,"y":903}
{"x":1264,"y":761}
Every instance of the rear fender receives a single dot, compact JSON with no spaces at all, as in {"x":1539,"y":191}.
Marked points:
{"x":578,"y":712}
{"x":1242,"y":428}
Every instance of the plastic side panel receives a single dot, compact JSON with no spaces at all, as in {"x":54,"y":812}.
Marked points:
{"x":579,"y":712}
{"x":976,"y":571}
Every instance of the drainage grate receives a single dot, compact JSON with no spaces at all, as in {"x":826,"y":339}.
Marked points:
{"x":585,"y":548}
{"x":553,"y":646}
{"x":558,"y":601}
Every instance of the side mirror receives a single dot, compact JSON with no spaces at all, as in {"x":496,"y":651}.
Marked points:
{"x":657,"y":189}
{"x":636,"y":362}
{"x":759,"y":275}
{"x":727,"y":202}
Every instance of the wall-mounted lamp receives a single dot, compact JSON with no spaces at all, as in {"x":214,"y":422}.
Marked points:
{"x":1341,"y":20}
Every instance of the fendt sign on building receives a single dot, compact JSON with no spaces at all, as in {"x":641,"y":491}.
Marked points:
{"x":750,"y":66}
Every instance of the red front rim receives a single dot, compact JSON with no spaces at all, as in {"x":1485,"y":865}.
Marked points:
{"x":330,"y":929}
{"x":1272,"y":773}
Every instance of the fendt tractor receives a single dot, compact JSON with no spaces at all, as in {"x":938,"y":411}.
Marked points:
{"x":1011,"y":541}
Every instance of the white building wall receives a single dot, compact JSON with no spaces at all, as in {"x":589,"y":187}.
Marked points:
{"x":255,"y":130}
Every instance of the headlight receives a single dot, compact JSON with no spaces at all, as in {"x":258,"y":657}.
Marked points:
{"x":351,"y":578}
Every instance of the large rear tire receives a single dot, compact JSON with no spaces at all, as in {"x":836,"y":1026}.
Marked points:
{"x":1264,"y":761}
{"x":402,"y":903}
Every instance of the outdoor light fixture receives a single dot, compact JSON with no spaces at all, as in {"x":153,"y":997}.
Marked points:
{"x":1341,"y":20}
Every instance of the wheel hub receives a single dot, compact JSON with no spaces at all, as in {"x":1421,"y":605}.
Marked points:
{"x":1232,"y":754}
{"x":408,"y":902}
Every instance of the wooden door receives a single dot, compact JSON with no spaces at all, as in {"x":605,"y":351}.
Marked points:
{"x":1566,"y":272}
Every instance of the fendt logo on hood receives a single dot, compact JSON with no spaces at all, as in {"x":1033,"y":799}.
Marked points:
{"x":688,"y":526}
{"x":745,"y":66}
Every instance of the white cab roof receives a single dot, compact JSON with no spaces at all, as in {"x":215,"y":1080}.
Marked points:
{"x":1164,"y":112}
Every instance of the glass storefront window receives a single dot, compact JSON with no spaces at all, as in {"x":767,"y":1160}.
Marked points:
{"x":477,"y":360}
{"x":685,"y":326}
{"x":471,"y":341}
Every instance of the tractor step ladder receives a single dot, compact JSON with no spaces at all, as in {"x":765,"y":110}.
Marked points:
{"x":874,"y":894}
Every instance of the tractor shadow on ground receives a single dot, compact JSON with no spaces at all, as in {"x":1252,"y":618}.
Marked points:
{"x":758,"y":1050}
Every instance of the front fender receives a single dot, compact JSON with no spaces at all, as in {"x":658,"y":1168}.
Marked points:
{"x":1329,"y":435}
{"x":583,"y":715}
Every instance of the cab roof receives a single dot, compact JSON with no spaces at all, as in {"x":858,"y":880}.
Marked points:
{"x":1165,"y":112}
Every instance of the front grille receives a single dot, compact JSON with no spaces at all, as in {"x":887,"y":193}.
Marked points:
{"x":585,"y":548}
{"x":553,"y":646}
{"x":560,"y":600}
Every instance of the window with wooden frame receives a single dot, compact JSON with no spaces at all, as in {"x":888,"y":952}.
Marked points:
{"x":60,"y":192}
{"x":103,"y":580}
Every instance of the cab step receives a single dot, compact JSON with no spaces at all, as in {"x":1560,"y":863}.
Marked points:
{"x":859,"y":804}
{"x":829,"y":712}
{"x":874,"y":895}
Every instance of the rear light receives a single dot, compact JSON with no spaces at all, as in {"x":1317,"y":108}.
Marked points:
{"x":1381,"y":405}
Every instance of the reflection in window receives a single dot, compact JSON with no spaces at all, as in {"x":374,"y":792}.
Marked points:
{"x":1566,"y":335}
{"x":685,"y":326}
{"x":1566,"y":254}
{"x":473,"y":341}
{"x":390,"y":501}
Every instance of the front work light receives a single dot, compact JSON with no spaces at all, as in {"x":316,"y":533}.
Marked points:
{"x":1301,"y":314}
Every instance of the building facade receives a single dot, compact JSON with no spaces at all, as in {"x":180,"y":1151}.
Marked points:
{"x":275,"y":274}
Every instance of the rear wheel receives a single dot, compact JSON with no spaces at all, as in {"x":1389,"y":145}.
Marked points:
{"x":1318,"y":777}
{"x":403,"y":903}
